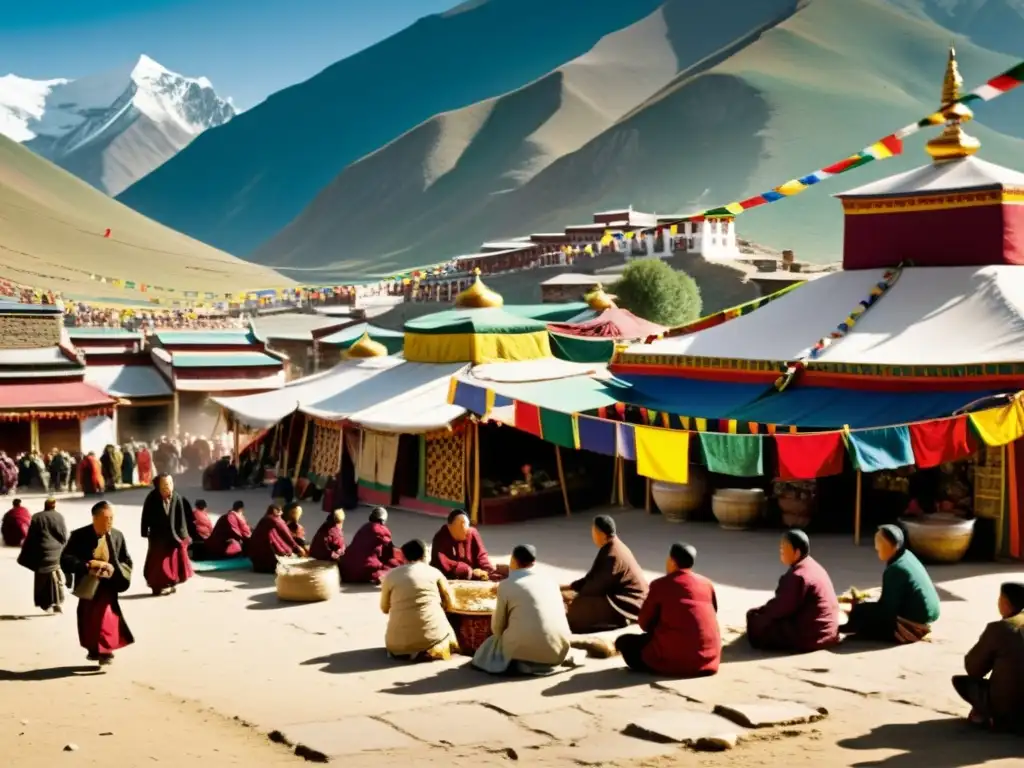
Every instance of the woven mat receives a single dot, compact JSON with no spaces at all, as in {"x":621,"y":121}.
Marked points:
{"x":230,"y":564}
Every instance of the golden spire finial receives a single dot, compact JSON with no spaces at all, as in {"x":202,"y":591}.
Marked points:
{"x":366,"y":347}
{"x":598,"y":300}
{"x":478,"y":296}
{"x":953,"y":143}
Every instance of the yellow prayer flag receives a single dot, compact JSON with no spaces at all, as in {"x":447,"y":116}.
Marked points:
{"x":791,"y":188}
{"x":673,"y":230}
{"x":1000,"y":426}
{"x":629,"y":235}
{"x":453,"y":384}
{"x":734,"y":208}
{"x":662,"y":454}
{"x":701,"y":424}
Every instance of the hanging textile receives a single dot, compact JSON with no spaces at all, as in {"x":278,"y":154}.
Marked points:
{"x":367,"y":464}
{"x":936,"y":442}
{"x":444,"y":458}
{"x":873,"y":450}
{"x":386,"y":455}
{"x":732,"y":454}
{"x":805,"y":457}
{"x":325,"y":457}
{"x":999,"y":426}
{"x":662,"y":454}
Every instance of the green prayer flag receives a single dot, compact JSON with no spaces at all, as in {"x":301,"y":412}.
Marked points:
{"x":736,"y":455}
{"x":557,"y":428}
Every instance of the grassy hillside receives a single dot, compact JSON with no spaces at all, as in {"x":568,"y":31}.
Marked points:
{"x":821,"y":84}
{"x":51,"y":236}
{"x":442,"y":174}
{"x":238,"y":185}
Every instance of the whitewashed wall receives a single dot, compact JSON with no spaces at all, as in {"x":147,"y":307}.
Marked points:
{"x":98,"y":432}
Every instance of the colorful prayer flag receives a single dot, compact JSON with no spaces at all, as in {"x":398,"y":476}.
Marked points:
{"x":662,"y":454}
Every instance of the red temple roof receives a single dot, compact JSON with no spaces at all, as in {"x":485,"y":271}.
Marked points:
{"x":53,"y":396}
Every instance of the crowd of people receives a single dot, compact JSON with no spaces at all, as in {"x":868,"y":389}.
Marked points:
{"x":81,"y":315}
{"x":537,"y":626}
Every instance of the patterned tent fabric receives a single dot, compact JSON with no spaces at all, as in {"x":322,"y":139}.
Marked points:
{"x":325,"y":459}
{"x":444,"y":454}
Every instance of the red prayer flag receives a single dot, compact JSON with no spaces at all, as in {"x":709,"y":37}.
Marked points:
{"x":527,"y":418}
{"x":807,"y":456}
{"x":107,"y":233}
{"x":936,"y":442}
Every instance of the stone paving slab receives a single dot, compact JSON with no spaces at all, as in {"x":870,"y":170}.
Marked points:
{"x":347,"y":736}
{"x":464,"y":725}
{"x":609,"y":748}
{"x":567,"y":724}
{"x":765,"y":714}
{"x":698,"y":729}
{"x":847,"y":681}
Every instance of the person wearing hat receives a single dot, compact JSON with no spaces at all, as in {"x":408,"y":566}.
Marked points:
{"x":679,"y":620}
{"x":803,"y":615}
{"x":994,"y":683}
{"x":908,"y":605}
{"x":611,"y":593}
{"x":529,"y":630}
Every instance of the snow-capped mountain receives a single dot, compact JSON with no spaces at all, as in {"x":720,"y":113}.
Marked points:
{"x":113,"y":128}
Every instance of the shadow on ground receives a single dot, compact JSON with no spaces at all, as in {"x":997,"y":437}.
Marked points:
{"x":461,"y":678}
{"x":601,"y":681}
{"x":48,"y":673}
{"x":353,"y":662}
{"x":939,"y":743}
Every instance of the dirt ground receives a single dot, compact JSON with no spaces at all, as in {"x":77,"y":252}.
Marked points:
{"x":222,"y":665}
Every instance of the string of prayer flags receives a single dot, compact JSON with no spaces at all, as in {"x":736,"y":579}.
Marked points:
{"x":731,"y":454}
{"x":805,"y":457}
{"x":597,"y":435}
{"x":936,"y":442}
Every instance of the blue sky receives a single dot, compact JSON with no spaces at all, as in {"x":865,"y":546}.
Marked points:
{"x":248,"y":48}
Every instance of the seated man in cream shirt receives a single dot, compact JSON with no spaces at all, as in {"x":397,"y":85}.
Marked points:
{"x":530,"y":630}
{"x":415,"y":597}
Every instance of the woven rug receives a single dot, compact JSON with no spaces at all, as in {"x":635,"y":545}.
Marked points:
{"x":230,"y":564}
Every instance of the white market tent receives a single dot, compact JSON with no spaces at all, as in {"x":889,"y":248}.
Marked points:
{"x":949,"y":316}
{"x":385,"y":394}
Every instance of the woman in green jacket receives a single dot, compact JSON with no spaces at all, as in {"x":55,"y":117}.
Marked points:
{"x":908,"y":605}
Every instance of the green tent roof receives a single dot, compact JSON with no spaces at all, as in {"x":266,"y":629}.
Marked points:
{"x":346,"y":337}
{"x":548,"y":313}
{"x":473,"y":321}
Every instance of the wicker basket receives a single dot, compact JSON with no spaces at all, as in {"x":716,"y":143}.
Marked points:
{"x":939,"y":538}
{"x":737,"y":508}
{"x":677,"y":500}
{"x":306,"y":581}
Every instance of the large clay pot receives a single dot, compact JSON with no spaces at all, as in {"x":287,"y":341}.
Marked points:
{"x":939,"y":538}
{"x":796,"y":512}
{"x":677,"y":500}
{"x":737,"y":508}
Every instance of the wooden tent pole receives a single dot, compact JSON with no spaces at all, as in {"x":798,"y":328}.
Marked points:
{"x":561,"y":480}
{"x":622,"y":482}
{"x":302,"y":450}
{"x":615,"y":480}
{"x":474,"y":512}
{"x":647,"y":496}
{"x":856,"y":510}
{"x":238,"y":452}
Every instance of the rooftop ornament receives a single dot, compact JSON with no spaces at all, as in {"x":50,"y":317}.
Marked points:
{"x":366,"y":347}
{"x":953,"y":143}
{"x":478,"y":296}
{"x":598,"y":300}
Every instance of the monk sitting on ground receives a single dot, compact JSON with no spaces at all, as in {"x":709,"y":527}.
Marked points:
{"x":679,"y":620}
{"x":994,"y":683}
{"x":530,"y":634}
{"x":329,"y":540}
{"x":372,"y":553}
{"x":200,"y":527}
{"x":292,"y":515}
{"x":14,"y":527}
{"x":415,"y":597}
{"x":459,"y":553}
{"x":611,"y":593}
{"x":908,"y":605}
{"x":272,"y":540}
{"x":231,"y":533}
{"x":804,"y":614}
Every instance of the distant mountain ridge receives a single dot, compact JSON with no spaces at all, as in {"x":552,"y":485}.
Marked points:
{"x":112,"y":128}
{"x":271,"y":161}
{"x":788,"y":89}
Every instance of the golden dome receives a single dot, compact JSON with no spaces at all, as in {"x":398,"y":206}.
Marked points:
{"x":953,"y":143}
{"x":479,"y":296}
{"x":366,"y":347}
{"x":598,"y":300}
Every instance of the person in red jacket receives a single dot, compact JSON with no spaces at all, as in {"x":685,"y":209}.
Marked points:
{"x":458,"y":552}
{"x":679,"y":620}
{"x":200,"y":527}
{"x":372,"y":553}
{"x":272,"y":539}
{"x":230,"y":536}
{"x":14,"y":527}
{"x":329,"y":541}
{"x":804,"y":614}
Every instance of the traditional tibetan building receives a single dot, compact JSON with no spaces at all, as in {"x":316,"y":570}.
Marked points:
{"x":45,"y":402}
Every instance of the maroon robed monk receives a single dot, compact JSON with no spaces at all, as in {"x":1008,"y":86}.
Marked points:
{"x":372,"y":553}
{"x":270,"y":540}
{"x":14,"y":527}
{"x":804,"y":614}
{"x":458,"y":552}
{"x":164,"y":523}
{"x":329,"y":540}
{"x":97,"y":562}
{"x":230,"y":535}
{"x":679,"y":620}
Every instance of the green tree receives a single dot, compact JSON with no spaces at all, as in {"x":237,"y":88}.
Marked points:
{"x":654,"y":291}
